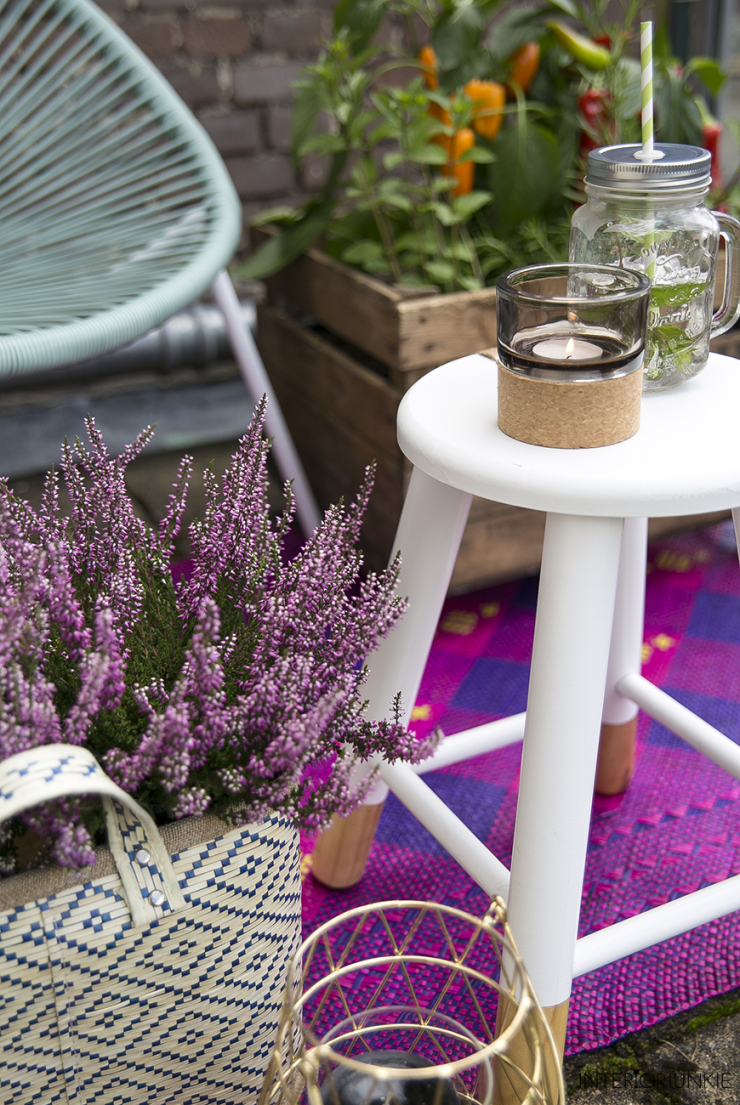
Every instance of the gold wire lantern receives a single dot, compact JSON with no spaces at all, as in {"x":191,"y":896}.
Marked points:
{"x":396,"y":1003}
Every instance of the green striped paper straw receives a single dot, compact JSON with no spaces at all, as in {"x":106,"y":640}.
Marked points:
{"x":646,"y":86}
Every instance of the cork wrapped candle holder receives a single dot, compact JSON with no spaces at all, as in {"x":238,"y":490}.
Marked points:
{"x":571,"y":343}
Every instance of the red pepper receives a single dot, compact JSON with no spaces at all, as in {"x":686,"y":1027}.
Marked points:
{"x":711,"y":133}
{"x":593,"y":107}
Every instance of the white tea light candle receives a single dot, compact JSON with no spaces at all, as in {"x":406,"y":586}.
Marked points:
{"x":572,"y":349}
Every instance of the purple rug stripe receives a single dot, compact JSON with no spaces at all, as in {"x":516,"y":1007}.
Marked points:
{"x":676,"y":829}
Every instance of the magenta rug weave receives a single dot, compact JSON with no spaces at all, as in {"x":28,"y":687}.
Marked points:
{"x":676,"y":829}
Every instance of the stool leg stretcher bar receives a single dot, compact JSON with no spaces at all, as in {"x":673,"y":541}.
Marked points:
{"x":446,"y":827}
{"x":474,"y":742}
{"x":627,"y":937}
{"x":680,"y":720}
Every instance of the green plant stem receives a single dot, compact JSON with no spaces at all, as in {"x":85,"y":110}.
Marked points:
{"x":386,"y":239}
{"x":455,"y":264}
{"x":411,"y":29}
{"x":472,"y":254}
{"x":421,"y":245}
{"x":437,"y":230}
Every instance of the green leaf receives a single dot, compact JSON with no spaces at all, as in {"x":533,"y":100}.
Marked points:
{"x":677,"y":115}
{"x":429,"y":154}
{"x":306,"y":107}
{"x":361,"y":19}
{"x":568,"y":7}
{"x":465,"y":206}
{"x":441,"y":272}
{"x":280,"y":214}
{"x":468,"y":283}
{"x":627,"y":92}
{"x":393,"y":193}
{"x":663,"y":295}
{"x":359,"y":253}
{"x":357,"y":125}
{"x":456,"y":34}
{"x":392,"y":160}
{"x":517,"y":26}
{"x":323,"y":144}
{"x":444,"y":213}
{"x":527,"y":176}
{"x":287,"y":246}
{"x":479,"y":154}
{"x":709,"y":72}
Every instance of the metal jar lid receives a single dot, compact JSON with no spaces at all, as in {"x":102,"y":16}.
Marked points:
{"x":680,"y":167}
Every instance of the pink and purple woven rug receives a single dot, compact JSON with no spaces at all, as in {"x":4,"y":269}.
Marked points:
{"x":676,"y":829}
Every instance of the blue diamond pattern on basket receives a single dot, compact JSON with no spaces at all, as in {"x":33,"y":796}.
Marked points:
{"x":183,"y":1008}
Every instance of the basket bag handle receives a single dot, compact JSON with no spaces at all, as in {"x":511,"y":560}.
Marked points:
{"x":143,"y":863}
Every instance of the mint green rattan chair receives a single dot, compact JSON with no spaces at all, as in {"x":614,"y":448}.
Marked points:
{"x":116,"y":211}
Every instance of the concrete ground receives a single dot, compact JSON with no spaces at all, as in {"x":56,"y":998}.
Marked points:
{"x":690,"y":1059}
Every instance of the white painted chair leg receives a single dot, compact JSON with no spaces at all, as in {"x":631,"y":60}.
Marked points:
{"x":619,"y":721}
{"x":428,"y":536}
{"x":566,"y":693}
{"x":258,"y":384}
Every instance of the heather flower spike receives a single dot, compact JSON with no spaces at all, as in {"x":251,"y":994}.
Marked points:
{"x":238,"y":691}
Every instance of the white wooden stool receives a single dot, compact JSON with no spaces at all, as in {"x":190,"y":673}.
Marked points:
{"x":585,"y":660}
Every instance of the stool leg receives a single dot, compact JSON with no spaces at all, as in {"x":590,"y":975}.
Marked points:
{"x":619,"y":721}
{"x":566,"y":693}
{"x":428,"y":536}
{"x":258,"y":384}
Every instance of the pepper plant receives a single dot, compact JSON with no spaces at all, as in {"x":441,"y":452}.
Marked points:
{"x":471,"y":166}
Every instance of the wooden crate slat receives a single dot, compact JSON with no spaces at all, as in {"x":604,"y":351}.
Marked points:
{"x":329,"y":379}
{"x":407,"y":329}
{"x":440,"y":328}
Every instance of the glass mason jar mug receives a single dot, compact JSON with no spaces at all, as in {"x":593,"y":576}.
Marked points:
{"x":650,"y":216}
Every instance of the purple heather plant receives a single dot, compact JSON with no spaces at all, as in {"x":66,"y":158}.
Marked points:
{"x":237,"y":691}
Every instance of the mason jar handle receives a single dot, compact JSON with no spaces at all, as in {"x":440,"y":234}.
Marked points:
{"x":729,"y":311}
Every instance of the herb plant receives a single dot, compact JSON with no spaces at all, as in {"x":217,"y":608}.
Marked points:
{"x":471,"y":165}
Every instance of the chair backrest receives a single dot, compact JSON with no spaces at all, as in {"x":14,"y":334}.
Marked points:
{"x":115,"y":207}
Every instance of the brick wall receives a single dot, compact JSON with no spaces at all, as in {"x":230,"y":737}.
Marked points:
{"x":233,"y":64}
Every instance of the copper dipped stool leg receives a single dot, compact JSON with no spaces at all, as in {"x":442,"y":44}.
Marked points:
{"x":428,"y":537}
{"x":341,"y":851}
{"x":619,"y":721}
{"x":508,"y":1089}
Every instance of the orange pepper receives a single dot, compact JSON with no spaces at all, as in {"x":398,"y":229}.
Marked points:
{"x":488,"y":95}
{"x":463,"y":172}
{"x":524,"y":65}
{"x":428,"y":61}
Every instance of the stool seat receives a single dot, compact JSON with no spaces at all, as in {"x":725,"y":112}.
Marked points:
{"x":685,"y":458}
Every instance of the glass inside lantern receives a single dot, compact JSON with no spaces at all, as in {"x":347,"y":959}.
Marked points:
{"x":404,"y":1055}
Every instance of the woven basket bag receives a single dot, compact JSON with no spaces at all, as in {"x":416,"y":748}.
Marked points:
{"x":161,"y":979}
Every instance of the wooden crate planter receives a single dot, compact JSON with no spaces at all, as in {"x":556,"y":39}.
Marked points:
{"x":341,"y":348}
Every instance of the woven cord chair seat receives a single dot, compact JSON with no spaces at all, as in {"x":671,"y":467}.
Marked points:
{"x":115,"y":209}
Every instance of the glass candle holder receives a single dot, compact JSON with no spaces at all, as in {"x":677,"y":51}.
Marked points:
{"x":571,"y":346}
{"x":412,"y":1003}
